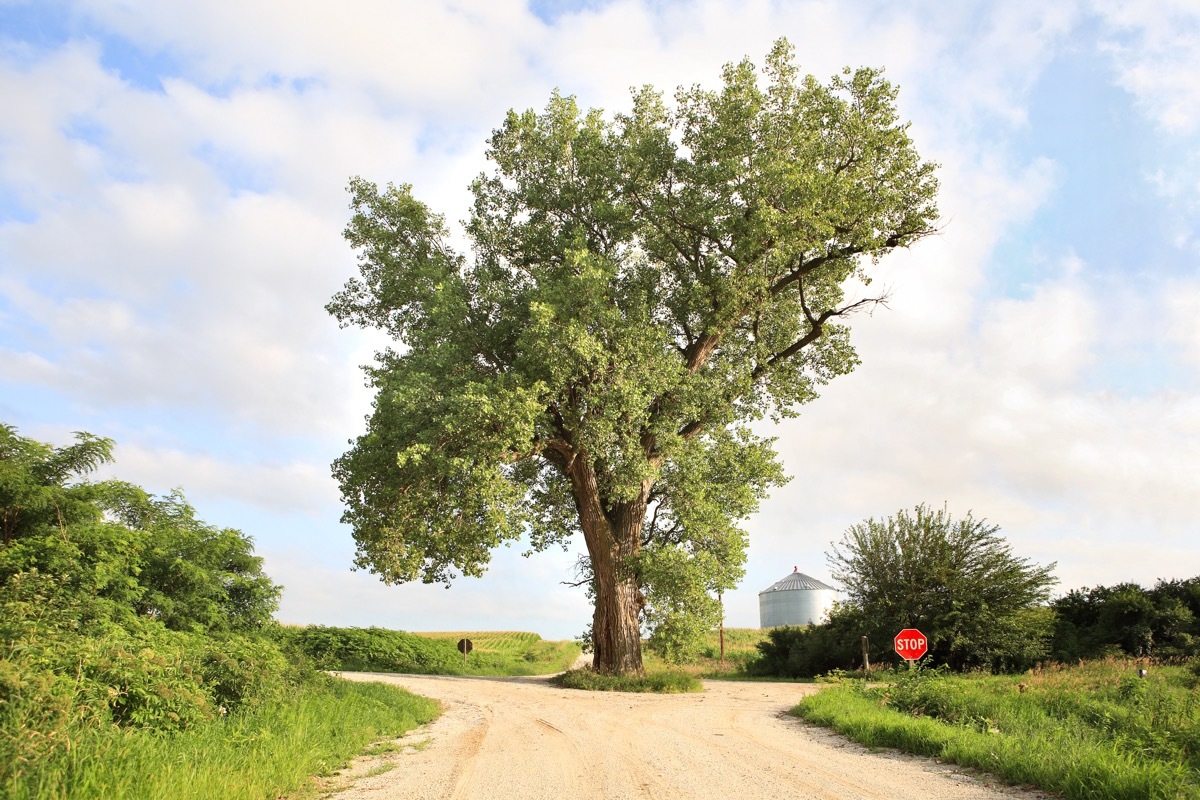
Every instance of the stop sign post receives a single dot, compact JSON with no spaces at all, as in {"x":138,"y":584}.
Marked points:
{"x":911,"y":644}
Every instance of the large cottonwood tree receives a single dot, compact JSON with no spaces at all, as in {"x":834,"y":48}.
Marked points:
{"x":641,"y":288}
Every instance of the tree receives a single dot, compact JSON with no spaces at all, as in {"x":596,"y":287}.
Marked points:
{"x":1162,"y":622}
{"x":956,"y":580}
{"x":118,"y":553}
{"x":642,"y":288}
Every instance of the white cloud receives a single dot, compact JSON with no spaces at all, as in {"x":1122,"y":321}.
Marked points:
{"x":264,"y":483}
{"x":1155,"y":48}
{"x":515,"y":594}
{"x":185,"y":241}
{"x":1181,"y":306}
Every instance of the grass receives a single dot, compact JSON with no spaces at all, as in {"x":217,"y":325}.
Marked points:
{"x":511,"y":653}
{"x":657,"y":681}
{"x":1094,"y":730}
{"x":257,"y":755}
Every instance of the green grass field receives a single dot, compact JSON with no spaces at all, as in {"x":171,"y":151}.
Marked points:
{"x":1094,"y":730}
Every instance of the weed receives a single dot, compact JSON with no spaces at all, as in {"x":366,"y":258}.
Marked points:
{"x":1096,"y":730}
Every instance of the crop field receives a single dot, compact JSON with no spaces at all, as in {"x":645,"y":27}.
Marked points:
{"x":1094,"y":730}
{"x":510,"y":652}
{"x":490,"y":641}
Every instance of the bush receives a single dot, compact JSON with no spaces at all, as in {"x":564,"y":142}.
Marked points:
{"x":144,"y":680}
{"x":36,"y":711}
{"x":975,"y":600}
{"x":239,"y":671}
{"x":808,"y":651}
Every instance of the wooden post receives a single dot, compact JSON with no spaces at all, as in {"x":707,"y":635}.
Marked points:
{"x":866,"y":655}
{"x":721,"y":603}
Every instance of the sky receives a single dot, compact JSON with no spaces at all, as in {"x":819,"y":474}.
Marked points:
{"x":172,"y":196}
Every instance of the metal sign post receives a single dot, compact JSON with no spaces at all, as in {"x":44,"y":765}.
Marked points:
{"x":464,"y":647}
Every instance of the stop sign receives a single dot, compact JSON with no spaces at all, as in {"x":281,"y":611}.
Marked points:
{"x":911,"y":644}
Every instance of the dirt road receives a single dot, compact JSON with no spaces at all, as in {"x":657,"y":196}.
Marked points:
{"x":523,"y":739}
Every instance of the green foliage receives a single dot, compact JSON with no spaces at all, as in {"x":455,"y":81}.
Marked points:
{"x":705,"y":660}
{"x":383,"y":650}
{"x":119,"y":613}
{"x":1161,"y":622}
{"x":374,"y":650}
{"x":118,"y":553}
{"x":955,"y":580}
{"x":266,"y":751}
{"x":661,"y":682}
{"x":810,"y":650}
{"x":642,"y":288}
{"x":1093,"y":731}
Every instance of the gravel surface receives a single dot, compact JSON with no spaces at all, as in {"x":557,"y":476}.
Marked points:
{"x":524,"y":739}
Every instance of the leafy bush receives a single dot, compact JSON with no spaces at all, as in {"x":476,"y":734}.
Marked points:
{"x":807,"y":651}
{"x":118,"y":611}
{"x":144,"y":680}
{"x":240,"y":671}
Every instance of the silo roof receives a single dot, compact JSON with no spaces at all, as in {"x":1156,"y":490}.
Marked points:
{"x":797,"y":581}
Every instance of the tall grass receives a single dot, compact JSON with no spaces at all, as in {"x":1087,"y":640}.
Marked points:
{"x":261,"y":754}
{"x":656,"y":681}
{"x":1090,"y":731}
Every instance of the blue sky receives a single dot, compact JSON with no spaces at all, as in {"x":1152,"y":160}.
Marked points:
{"x":172,"y":195}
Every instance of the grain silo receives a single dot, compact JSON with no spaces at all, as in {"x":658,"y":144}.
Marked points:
{"x":797,"y":599}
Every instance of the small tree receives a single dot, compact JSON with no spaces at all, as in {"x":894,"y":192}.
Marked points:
{"x":956,"y":580}
{"x":642,"y":288}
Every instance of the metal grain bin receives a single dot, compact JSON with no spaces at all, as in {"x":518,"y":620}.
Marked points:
{"x":797,"y":599}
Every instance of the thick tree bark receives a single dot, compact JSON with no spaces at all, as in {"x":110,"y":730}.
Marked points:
{"x":613,"y":536}
{"x":616,"y":632}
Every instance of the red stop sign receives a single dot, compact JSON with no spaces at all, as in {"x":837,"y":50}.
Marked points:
{"x":911,"y":644}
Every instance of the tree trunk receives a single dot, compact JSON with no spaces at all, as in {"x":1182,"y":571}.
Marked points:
{"x":616,"y":633}
{"x":612,"y":536}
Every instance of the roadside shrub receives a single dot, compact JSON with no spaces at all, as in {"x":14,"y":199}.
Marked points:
{"x":239,"y":671}
{"x":925,"y":692}
{"x":374,"y":650}
{"x":1125,"y":619}
{"x":36,"y":710}
{"x":145,"y":680}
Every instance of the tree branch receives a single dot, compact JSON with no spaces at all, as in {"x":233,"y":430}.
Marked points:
{"x":816,"y":328}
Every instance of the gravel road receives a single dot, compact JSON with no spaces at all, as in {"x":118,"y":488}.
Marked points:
{"x":524,"y":739}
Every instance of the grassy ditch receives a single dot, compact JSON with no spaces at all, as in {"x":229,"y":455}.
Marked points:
{"x":262,"y":753}
{"x":657,"y":681}
{"x":1093,"y":731}
{"x":505,"y":653}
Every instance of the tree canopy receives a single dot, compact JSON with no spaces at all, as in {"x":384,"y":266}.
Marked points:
{"x":956,"y":580}
{"x":642,"y":287}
